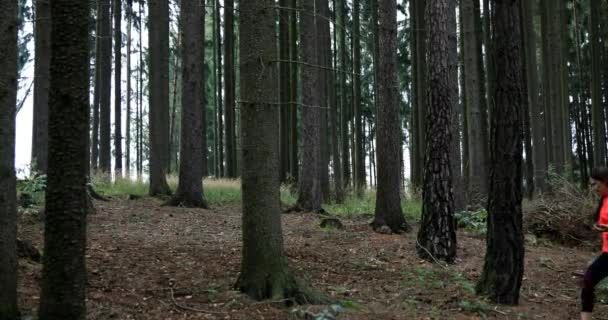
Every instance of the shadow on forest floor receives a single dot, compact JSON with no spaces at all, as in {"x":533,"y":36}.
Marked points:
{"x":150,"y":262}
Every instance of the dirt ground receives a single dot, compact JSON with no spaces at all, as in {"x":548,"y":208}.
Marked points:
{"x":150,"y":262}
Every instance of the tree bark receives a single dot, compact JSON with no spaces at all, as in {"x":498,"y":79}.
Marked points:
{"x":231,"y":171}
{"x":344,"y":106}
{"x":8,"y":209}
{"x":129,"y":13}
{"x":437,"y":234}
{"x":284,"y":90}
{"x":42,"y":56}
{"x":220,"y":113}
{"x":294,"y":168}
{"x":96,"y":93}
{"x":359,"y":166}
{"x":64,"y":271}
{"x":476,"y":104}
{"x":264,"y":270}
{"x":419,"y":86}
{"x":599,"y":119}
{"x":189,"y":191}
{"x":105,"y":87}
{"x":504,"y":262}
{"x":455,"y":151}
{"x":310,"y":193}
{"x":388,"y":213}
{"x":158,"y":34}
{"x":117,"y":12}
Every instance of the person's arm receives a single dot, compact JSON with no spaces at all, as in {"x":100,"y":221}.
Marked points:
{"x":600,"y":227}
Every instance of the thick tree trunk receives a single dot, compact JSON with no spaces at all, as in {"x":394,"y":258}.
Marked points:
{"x":8,"y":210}
{"x":476,"y":104}
{"x":437,"y":234}
{"x":504,"y":263}
{"x":264,"y":270}
{"x":359,"y":165}
{"x":65,"y":238}
{"x":229,"y":84}
{"x":310,"y":193}
{"x":117,"y":12}
{"x":388,"y":214}
{"x":158,"y":34}
{"x":189,"y":191}
{"x":40,"y":134}
{"x":105,"y":87}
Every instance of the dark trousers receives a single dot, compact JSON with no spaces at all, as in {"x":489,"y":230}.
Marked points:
{"x":596,"y":272}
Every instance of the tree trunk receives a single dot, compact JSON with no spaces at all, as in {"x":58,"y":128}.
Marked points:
{"x":359,"y":166}
{"x":129,"y":13}
{"x":536,"y":114}
{"x":65,"y":238}
{"x":294,"y":168}
{"x":476,"y":104}
{"x":96,"y":93}
{"x":220,"y":113}
{"x":42,"y":56}
{"x":264,"y":270}
{"x":599,"y":119}
{"x":455,"y":152}
{"x":344,"y":106}
{"x":419,"y":86}
{"x":388,"y":214}
{"x":117,"y":12}
{"x":8,"y":209}
{"x":158,"y":34}
{"x":105,"y":87}
{"x":309,"y":193}
{"x":437,"y":234}
{"x":284,"y":89}
{"x":527,"y":106}
{"x":229,"y":88}
{"x":504,"y":262}
{"x":140,"y":137}
{"x":189,"y":191}
{"x":323,"y":84}
{"x":173,"y":145}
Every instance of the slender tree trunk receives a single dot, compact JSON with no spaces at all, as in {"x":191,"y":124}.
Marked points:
{"x":117,"y":12}
{"x":40,"y":134}
{"x":204,"y":101}
{"x":229,"y":87}
{"x":504,"y":262}
{"x":359,"y":166}
{"x":293,"y":96}
{"x":105,"y":87}
{"x":388,"y":214}
{"x":322,"y":53}
{"x":419,"y":81}
{"x":599,"y":119}
{"x":189,"y":191}
{"x":65,"y":238}
{"x":536,"y":114}
{"x":96,"y":93}
{"x":333,"y":112}
{"x":490,"y":77}
{"x":463,"y":112}
{"x":220,"y":113}
{"x":341,"y":27}
{"x":455,"y":157}
{"x":264,"y":271}
{"x":8,"y":202}
{"x":158,"y":34}
{"x":437,"y":234}
{"x":129,"y":13}
{"x":476,"y":104}
{"x":173,"y":145}
{"x":140,"y":139}
{"x":310,"y":193}
{"x":284,"y":90}
{"x":527,"y":99}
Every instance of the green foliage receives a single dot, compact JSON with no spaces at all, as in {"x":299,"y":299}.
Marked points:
{"x":473,"y":221}
{"x":33,"y":188}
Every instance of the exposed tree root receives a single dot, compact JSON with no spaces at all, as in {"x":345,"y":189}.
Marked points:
{"x":92,"y":193}
{"x":282,"y":288}
{"x":182,"y":201}
{"x":380,"y":226}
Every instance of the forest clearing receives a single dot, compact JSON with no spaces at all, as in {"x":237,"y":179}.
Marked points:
{"x":147,"y":261}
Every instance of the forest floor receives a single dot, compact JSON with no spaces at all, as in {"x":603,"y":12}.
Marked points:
{"x":150,"y":262}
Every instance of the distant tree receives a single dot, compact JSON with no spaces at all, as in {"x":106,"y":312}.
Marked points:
{"x":64,"y":271}
{"x":105,"y":86}
{"x":190,"y":188}
{"x":117,"y":12}
{"x":504,"y":262}
{"x":359,"y":159}
{"x":220,"y":113}
{"x":229,"y":87}
{"x":129,"y":15}
{"x":388,"y":214}
{"x":8,"y":209}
